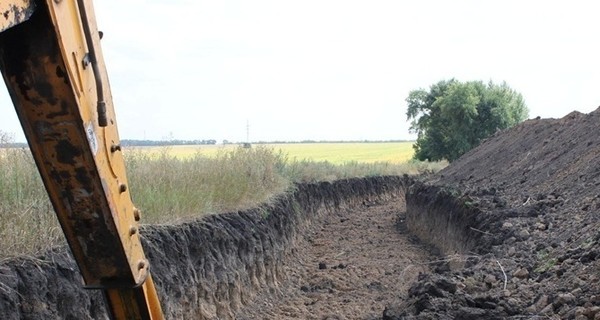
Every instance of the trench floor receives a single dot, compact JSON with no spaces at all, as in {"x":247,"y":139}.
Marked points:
{"x":350,"y":265}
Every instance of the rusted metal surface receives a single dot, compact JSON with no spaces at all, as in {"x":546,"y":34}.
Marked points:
{"x":55,"y":98}
{"x":13,"y":12}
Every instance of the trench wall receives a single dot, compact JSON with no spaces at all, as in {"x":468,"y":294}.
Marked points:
{"x":203,"y":269}
{"x":441,"y":218}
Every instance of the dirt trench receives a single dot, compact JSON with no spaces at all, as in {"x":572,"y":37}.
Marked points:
{"x":321,"y":251}
{"x":518,"y":220}
{"x":350,"y":265}
{"x":513,"y":225}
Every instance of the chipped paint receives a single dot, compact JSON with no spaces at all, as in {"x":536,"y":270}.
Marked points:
{"x":13,"y":12}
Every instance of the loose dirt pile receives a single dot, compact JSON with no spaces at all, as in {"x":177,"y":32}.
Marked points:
{"x":523,"y":210}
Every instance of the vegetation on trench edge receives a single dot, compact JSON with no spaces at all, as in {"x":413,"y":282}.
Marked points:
{"x":169,"y":189}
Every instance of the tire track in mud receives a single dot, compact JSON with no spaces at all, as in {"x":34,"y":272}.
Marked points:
{"x":349,"y":265}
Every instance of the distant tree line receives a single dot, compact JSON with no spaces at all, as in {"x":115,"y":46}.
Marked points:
{"x":13,"y":145}
{"x":159,"y":143}
{"x":321,"y":141}
{"x":154,"y":143}
{"x":7,"y":141}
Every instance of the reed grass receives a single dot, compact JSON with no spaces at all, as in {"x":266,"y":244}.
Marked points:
{"x":27,"y":220}
{"x":168,"y":189}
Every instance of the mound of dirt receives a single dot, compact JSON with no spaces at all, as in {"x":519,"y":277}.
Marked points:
{"x":518,"y":220}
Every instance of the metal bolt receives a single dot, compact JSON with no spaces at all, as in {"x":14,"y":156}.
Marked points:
{"x":86,"y":60}
{"x":132,"y":230}
{"x":122,"y":188}
{"x":137,"y":214}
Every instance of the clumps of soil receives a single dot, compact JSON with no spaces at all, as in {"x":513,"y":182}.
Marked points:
{"x":514,"y":226}
{"x":204,"y":269}
{"x":527,"y":202}
{"x":349,"y":264}
{"x":47,"y":287}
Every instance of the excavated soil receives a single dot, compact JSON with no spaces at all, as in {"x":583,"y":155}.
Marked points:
{"x":322,"y":251}
{"x":519,"y":221}
{"x":511,"y":230}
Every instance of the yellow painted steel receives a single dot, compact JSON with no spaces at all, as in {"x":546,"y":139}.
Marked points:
{"x":110,"y":165}
{"x":13,"y":12}
{"x":52,"y":76}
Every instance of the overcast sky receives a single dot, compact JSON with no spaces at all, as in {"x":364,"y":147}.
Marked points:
{"x":330,"y":70}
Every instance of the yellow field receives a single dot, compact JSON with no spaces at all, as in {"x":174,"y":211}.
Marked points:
{"x":336,"y":153}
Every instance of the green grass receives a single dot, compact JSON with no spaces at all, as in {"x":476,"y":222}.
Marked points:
{"x":335,"y":153}
{"x":341,"y":153}
{"x":168,"y":187}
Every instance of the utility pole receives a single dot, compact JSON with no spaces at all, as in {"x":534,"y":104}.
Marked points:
{"x":247,"y":131}
{"x":247,"y":143}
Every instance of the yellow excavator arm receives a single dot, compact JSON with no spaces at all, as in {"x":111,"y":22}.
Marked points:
{"x":52,"y":64}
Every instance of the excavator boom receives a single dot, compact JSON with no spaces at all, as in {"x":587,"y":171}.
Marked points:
{"x":52,"y":64}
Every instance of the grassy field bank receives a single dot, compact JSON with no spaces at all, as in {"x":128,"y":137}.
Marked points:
{"x":169,"y":185}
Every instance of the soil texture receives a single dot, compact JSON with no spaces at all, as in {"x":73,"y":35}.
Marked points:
{"x":349,"y":265}
{"x":511,"y":230}
{"x":212,"y":267}
{"x":518,"y":219}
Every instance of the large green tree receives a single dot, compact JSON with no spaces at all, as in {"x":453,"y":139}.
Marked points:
{"x":454,"y":117}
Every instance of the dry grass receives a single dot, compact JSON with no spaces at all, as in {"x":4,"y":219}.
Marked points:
{"x":27,"y":220}
{"x":168,"y":188}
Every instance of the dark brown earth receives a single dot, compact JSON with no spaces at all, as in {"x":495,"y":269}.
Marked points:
{"x":515,"y":224}
{"x":521,"y":216}
{"x":350,"y":265}
{"x":213,"y":267}
{"x":517,"y":221}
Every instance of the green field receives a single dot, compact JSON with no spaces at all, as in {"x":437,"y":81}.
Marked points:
{"x":335,"y":153}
